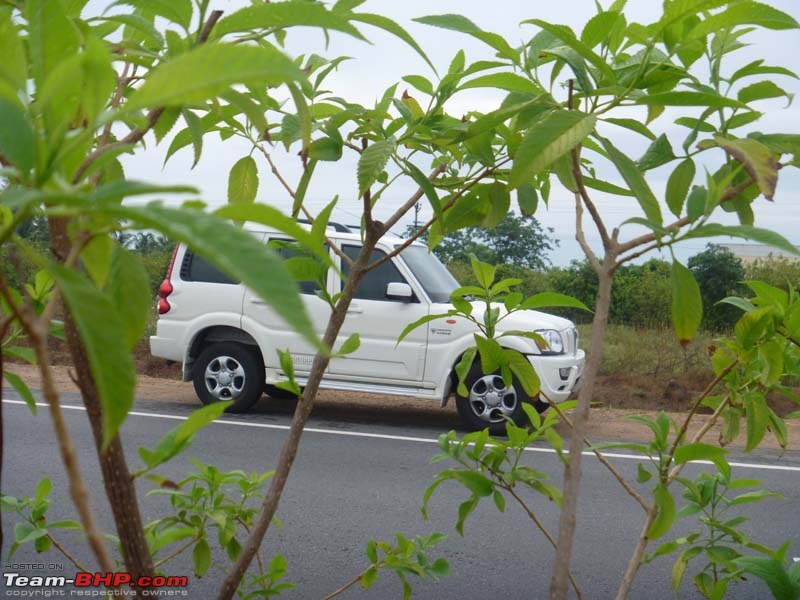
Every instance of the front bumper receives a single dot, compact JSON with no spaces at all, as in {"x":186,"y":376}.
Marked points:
{"x":551,"y":371}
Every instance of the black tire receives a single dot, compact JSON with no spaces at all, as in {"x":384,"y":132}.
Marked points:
{"x":278,"y":393}
{"x":497,"y":403}
{"x":229,"y":371}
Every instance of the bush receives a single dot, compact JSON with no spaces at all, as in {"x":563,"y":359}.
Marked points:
{"x":777,"y":271}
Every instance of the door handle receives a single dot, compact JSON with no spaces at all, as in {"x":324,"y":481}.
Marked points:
{"x":257,"y":301}
{"x":354,"y":309}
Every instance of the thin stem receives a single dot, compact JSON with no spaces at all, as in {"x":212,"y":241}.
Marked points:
{"x":617,"y":475}
{"x":177,"y":552}
{"x":540,"y":526}
{"x":347,"y":585}
{"x":580,"y":237}
{"x":293,"y":194}
{"x":66,"y":554}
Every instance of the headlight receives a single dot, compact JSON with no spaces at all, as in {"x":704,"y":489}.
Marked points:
{"x":555,"y":345}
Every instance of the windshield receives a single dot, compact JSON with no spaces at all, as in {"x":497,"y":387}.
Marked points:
{"x":434,"y":277}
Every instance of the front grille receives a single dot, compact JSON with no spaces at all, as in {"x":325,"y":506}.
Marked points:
{"x":570,"y":341}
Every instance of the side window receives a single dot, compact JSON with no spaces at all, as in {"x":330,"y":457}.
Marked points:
{"x":310,"y":273}
{"x":373,"y":285}
{"x":196,"y":268}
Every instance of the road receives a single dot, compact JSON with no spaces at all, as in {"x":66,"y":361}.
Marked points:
{"x":361,"y":478}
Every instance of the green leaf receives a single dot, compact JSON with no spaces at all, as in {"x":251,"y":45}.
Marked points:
{"x":757,"y":67}
{"x":475,"y":482}
{"x":635,"y":180}
{"x":426,"y":186}
{"x":524,"y":372}
{"x":421,"y":321}
{"x":605,"y":186}
{"x":576,"y":63}
{"x":491,"y":354}
{"x":528,"y":199}
{"x":484,"y":272}
{"x":372,"y":551}
{"x":421,"y":83}
{"x":686,"y":98}
{"x":350,"y":345}
{"x":746,"y":13}
{"x":14,"y":66}
{"x":757,"y":159}
{"x":463,"y":367}
{"x":642,"y":474}
{"x":763,"y":236}
{"x":687,"y":303}
{"x":22,"y":389}
{"x":700,"y":451}
{"x":757,"y":413}
{"x":659,"y":153}
{"x":390,"y":26}
{"x":17,"y":139}
{"x":232,"y":250}
{"x":275,"y":15}
{"x":464,"y":25}
{"x":552,"y":137}
{"x":633,"y":125}
{"x":326,"y":149}
{"x":566,"y":35}
{"x":210,"y":70}
{"x":202,"y":557}
{"x":369,"y":577}
{"x":243,"y":181}
{"x":511,"y":82}
{"x":772,"y":572}
{"x":25,"y":532}
{"x":177,"y":11}
{"x":129,"y":288}
{"x":96,"y":258}
{"x":52,"y":37}
{"x":100,"y":327}
{"x":666,"y":513}
{"x":678,"y":185}
{"x":178,"y":439}
{"x":373,"y":161}
{"x":760,"y":91}
{"x":551,"y":300}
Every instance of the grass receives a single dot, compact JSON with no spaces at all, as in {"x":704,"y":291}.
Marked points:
{"x":651,"y":352}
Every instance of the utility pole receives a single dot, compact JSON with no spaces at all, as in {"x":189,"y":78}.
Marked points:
{"x":417,"y":208}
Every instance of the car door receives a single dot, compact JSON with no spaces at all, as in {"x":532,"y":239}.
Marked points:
{"x":379,"y":321}
{"x":272,"y":331}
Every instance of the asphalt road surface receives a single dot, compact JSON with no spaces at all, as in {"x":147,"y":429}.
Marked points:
{"x":361,"y":478}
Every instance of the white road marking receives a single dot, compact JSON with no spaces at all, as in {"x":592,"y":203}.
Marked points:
{"x":405,"y":438}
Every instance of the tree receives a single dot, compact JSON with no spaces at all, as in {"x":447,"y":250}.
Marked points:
{"x":719,"y":273}
{"x":515,"y":240}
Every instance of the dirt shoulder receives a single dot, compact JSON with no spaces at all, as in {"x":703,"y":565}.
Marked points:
{"x":607,"y":422}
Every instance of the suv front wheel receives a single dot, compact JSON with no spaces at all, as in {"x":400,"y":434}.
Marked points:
{"x":228,"y":371}
{"x":490,"y":402}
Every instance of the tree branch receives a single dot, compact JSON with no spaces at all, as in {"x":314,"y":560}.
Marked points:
{"x":581,"y":238}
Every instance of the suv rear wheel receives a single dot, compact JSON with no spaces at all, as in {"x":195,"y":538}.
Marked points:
{"x":228,"y":371}
{"x":489,"y":402}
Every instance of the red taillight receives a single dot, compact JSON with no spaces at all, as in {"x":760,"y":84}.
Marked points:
{"x":165,"y":289}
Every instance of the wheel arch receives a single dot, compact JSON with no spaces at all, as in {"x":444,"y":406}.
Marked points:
{"x":213,"y":334}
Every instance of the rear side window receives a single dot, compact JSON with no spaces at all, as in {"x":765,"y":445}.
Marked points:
{"x":196,"y":268}
{"x":307,"y":269}
{"x":373,"y":285}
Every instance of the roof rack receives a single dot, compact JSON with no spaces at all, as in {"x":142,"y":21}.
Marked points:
{"x":336,"y":226}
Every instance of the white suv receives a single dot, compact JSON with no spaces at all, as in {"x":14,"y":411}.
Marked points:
{"x":227,"y":337}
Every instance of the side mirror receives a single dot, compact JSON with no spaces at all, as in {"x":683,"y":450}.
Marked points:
{"x":399,"y":291}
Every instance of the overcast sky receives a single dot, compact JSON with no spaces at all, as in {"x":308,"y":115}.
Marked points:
{"x":381,"y":64}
